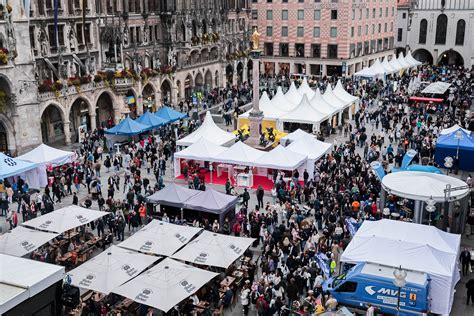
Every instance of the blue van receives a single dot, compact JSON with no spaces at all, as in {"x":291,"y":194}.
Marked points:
{"x":368,"y":283}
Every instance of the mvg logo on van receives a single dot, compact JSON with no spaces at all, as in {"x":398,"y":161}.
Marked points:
{"x":390,"y":292}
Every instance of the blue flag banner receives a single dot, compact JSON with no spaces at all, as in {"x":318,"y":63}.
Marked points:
{"x":323,"y":263}
{"x":56,"y":9}
{"x":410,"y":154}
{"x":352,"y":225}
{"x":377,"y":168}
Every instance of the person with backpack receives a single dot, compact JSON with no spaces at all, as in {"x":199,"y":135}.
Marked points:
{"x":261,"y":305}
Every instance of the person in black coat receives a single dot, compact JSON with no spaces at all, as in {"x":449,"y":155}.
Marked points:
{"x":470,"y":291}
{"x":260,"y":194}
{"x":465,"y":259}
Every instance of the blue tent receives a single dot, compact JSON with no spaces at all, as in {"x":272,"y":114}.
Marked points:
{"x":170,"y":114}
{"x":128,"y":127}
{"x":447,"y":145}
{"x":11,"y":167}
{"x":153,"y":121}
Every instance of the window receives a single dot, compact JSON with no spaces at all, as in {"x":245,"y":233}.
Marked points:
{"x":269,"y":1}
{"x":284,"y":14}
{"x":52,"y":35}
{"x":359,"y":30}
{"x":404,"y":15}
{"x":373,"y":13}
{"x":347,"y":287}
{"x":399,"y":35}
{"x":423,"y":30}
{"x":391,"y":26}
{"x":299,"y":48}
{"x":317,"y":14}
{"x":353,"y":14}
{"x":366,"y":30}
{"x":300,"y":14}
{"x":460,"y":31}
{"x":284,"y":31}
{"x":393,"y":11}
{"x":268,"y":49}
{"x":380,"y":27}
{"x":332,"y":51}
{"x":385,"y":28}
{"x":316,"y":50}
{"x":269,"y":15}
{"x":254,"y":15}
{"x":300,"y":31}
{"x":367,"y":13}
{"x":316,"y":32}
{"x":352,"y":31}
{"x":333,"y":14}
{"x":352,"y":50}
{"x":373,"y":28}
{"x":79,"y":36}
{"x":366,"y":48}
{"x":87,"y":33}
{"x":333,"y":32}
{"x":269,"y":31}
{"x":284,"y":49}
{"x":386,"y":11}
{"x":441,"y":27}
{"x":301,"y":1}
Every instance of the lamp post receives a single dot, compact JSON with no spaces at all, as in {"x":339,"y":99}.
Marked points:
{"x":430,"y":208}
{"x":399,"y":281}
{"x":448,"y":163}
{"x":459,"y":136}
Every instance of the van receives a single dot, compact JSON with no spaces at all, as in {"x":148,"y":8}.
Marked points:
{"x":368,"y":283}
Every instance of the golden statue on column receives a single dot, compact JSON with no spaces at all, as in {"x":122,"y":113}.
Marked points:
{"x":255,"y":39}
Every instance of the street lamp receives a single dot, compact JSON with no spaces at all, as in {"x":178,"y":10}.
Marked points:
{"x":399,"y":281}
{"x":448,"y":163}
{"x":430,"y":207}
{"x":459,"y":136}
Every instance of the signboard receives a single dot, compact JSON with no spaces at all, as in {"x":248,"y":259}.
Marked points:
{"x":344,"y":67}
{"x":82,"y":130}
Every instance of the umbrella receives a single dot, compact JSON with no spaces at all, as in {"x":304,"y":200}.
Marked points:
{"x":21,"y":241}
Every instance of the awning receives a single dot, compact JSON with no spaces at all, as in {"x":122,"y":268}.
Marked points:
{"x":21,"y":241}
{"x":423,"y":99}
{"x":437,"y":88}
{"x":46,"y":155}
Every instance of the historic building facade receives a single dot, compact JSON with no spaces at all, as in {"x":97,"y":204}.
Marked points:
{"x":439,"y":31}
{"x":325,"y":36}
{"x":85,"y":62}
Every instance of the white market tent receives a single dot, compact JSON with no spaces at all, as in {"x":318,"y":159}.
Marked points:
{"x":294,"y":136}
{"x":166,"y":284}
{"x":34,"y":174}
{"x":212,"y":249}
{"x":22,"y":278}
{"x":306,"y":89}
{"x":388,"y":68}
{"x":46,"y":155}
{"x":21,"y":241}
{"x":208,"y":130}
{"x":403,"y":62}
{"x":377,"y":68}
{"x":437,"y":87}
{"x":366,"y":73}
{"x":304,"y":113}
{"x":202,"y":149}
{"x":321,"y":105}
{"x":417,"y":185}
{"x":453,"y":129}
{"x":264,"y":99}
{"x":333,"y":100}
{"x":281,"y":102}
{"x":160,"y":238}
{"x":293,"y":95}
{"x":110,"y":269}
{"x":240,"y":154}
{"x":281,"y":158}
{"x":269,"y":109}
{"x":342,"y":94}
{"x":64,"y":219}
{"x":311,"y":148}
{"x":395,"y":63}
{"x":411,"y":60}
{"x":413,"y":247}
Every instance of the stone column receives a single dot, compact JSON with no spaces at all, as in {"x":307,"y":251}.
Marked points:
{"x":92,"y":117}
{"x":324,"y":70}
{"x":174,"y":95}
{"x":292,"y":67}
{"x":256,"y":116}
{"x":157,"y":100}
{"x":234,"y":74}
{"x":67,"y":132}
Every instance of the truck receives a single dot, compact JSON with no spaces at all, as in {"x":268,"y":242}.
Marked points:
{"x":368,"y":283}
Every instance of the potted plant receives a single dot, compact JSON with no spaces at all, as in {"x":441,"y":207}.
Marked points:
{"x":3,"y":56}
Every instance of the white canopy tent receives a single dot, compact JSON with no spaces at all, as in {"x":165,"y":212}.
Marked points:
{"x":281,"y":102}
{"x":453,"y":129}
{"x":160,"y":238}
{"x":294,"y":136}
{"x":413,"y":247}
{"x":281,"y":158}
{"x":321,"y":105}
{"x":335,"y":102}
{"x":388,"y":68}
{"x":209,"y":131}
{"x":378,"y":69}
{"x":411,"y":60}
{"x":21,"y":241}
{"x":403,"y":62}
{"x":269,"y":109}
{"x":304,"y":113}
{"x":437,"y":87}
{"x":240,"y":154}
{"x":110,"y":269}
{"x":64,"y":219}
{"x":345,"y":96}
{"x":310,"y":147}
{"x":264,"y":99}
{"x":166,"y":284}
{"x":202,"y":149}
{"x":21,"y":279}
{"x":46,"y":155}
{"x":366,"y":72}
{"x":293,"y":94}
{"x":212,"y":249}
{"x":395,"y":63}
{"x":306,"y":89}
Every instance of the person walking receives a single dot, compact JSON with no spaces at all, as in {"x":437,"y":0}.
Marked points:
{"x":465,"y":259}
{"x":260,"y":194}
{"x":245,"y":298}
{"x":245,"y":198}
{"x":470,"y":291}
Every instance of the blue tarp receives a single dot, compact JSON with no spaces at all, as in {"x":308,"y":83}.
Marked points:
{"x":447,"y":145}
{"x":11,"y":167}
{"x":170,"y":114}
{"x":128,"y":127}
{"x":150,"y":120}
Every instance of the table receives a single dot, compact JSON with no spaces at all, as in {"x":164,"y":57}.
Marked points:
{"x":222,"y":166}
{"x":245,"y":180}
{"x":65,"y":257}
{"x":125,"y":304}
{"x":228,"y":280}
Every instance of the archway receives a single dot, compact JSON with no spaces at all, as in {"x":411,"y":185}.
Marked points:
{"x":216,"y":79}
{"x":199,"y":82}
{"x":166,"y":91}
{"x":3,"y":139}
{"x":52,"y":129}
{"x":423,"y":55}
{"x":79,"y":117}
{"x":450,"y":57}
{"x":240,"y":73}
{"x":131,"y":102}
{"x":7,"y":141}
{"x":178,"y":88}
{"x":229,"y":73}
{"x":208,"y":80}
{"x":204,"y":55}
{"x":148,"y":98}
{"x":188,"y":86}
{"x":249,"y":70}
{"x":104,"y":111}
